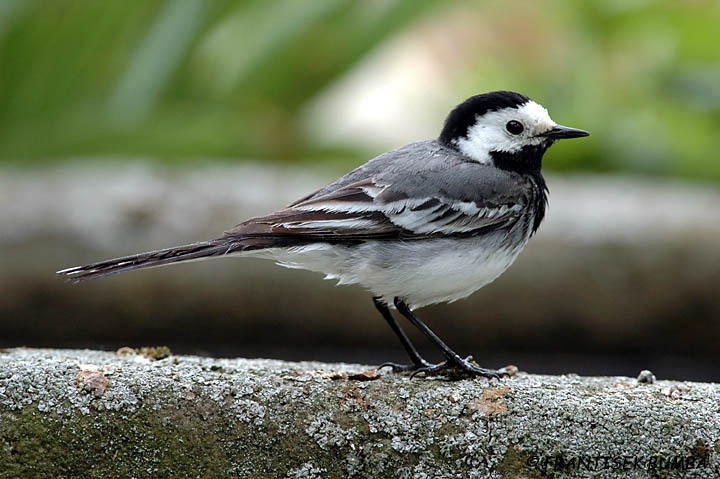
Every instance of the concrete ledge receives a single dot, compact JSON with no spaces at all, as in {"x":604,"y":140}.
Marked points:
{"x":68,"y":413}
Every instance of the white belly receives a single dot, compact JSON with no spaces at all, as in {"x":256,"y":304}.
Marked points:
{"x":422,"y":272}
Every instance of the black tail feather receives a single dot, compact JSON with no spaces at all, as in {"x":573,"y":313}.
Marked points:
{"x":150,"y":259}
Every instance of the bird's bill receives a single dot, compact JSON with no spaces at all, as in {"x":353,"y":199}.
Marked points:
{"x":562,"y":132}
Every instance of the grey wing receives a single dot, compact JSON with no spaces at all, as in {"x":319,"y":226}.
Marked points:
{"x":432,"y":192}
{"x":422,"y":152}
{"x":437,"y":205}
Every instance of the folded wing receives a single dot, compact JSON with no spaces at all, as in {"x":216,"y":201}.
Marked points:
{"x":375,"y":208}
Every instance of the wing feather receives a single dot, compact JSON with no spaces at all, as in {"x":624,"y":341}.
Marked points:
{"x":420,"y":190}
{"x":370,"y":209}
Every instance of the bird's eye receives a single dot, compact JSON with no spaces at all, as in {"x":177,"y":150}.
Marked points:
{"x":514,"y":127}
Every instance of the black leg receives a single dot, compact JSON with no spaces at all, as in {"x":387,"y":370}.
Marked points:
{"x":417,"y":361}
{"x":453,"y":360}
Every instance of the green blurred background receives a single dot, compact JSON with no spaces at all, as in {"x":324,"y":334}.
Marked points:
{"x":185,"y":80}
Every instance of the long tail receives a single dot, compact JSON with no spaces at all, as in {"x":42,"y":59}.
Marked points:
{"x":205,"y":249}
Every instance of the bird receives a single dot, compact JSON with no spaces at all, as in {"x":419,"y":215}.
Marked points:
{"x":430,"y":222}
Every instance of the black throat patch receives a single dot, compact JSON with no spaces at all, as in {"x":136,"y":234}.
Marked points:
{"x":527,"y":162}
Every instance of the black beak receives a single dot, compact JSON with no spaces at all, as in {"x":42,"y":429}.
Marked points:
{"x":561,"y":132}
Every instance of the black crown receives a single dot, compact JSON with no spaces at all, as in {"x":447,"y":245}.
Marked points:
{"x":463,"y":116}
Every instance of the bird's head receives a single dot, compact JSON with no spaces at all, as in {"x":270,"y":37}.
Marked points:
{"x":505,"y":129}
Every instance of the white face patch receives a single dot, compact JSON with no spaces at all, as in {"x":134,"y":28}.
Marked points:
{"x":490,"y":134}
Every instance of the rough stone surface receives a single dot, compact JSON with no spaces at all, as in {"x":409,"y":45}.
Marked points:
{"x":75,"y":413}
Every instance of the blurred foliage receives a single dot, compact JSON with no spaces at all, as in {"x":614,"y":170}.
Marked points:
{"x":176,"y":78}
{"x":183,"y":79}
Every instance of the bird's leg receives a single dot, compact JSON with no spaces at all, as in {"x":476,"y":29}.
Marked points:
{"x":417,"y":361}
{"x":452,"y":359}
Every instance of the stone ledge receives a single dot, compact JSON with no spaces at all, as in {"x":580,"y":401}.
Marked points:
{"x":73,"y":413}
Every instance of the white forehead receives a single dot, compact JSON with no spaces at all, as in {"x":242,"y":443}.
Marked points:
{"x":537,"y":115}
{"x":489,"y":132}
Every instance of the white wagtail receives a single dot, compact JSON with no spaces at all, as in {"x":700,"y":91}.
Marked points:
{"x":429,"y":222}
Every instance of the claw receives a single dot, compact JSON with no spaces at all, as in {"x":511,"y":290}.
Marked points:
{"x":419,"y":371}
{"x":430,"y":370}
{"x":404,"y":368}
{"x":464,"y":368}
{"x":456,"y":368}
{"x":397,"y":368}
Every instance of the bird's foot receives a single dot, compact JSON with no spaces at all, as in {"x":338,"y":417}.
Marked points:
{"x":458,"y":368}
{"x":407,"y":368}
